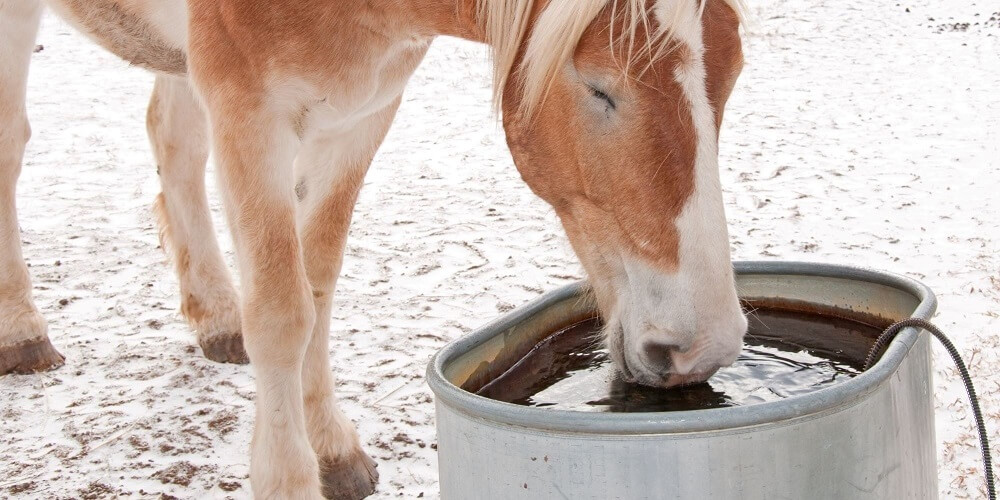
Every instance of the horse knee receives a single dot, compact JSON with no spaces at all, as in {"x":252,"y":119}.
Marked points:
{"x":277,"y":327}
{"x":15,"y":131}
{"x":25,"y":130}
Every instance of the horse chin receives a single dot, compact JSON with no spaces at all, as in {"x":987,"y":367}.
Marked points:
{"x":676,"y":380}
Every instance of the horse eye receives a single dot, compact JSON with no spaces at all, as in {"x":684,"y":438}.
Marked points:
{"x":600,"y":94}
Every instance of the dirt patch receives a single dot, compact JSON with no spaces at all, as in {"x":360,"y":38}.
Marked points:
{"x":979,"y":23}
{"x":180,"y":473}
{"x":229,"y":485}
{"x":97,"y":491}
{"x":224,"y":423}
{"x":22,"y":487}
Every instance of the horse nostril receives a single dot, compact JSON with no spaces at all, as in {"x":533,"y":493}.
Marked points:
{"x":657,"y":355}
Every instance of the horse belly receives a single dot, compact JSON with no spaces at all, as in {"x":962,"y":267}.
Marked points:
{"x":148,"y":33}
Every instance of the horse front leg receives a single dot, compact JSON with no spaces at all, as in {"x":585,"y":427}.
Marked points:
{"x":254,"y":155}
{"x":178,"y":132}
{"x":24,"y":339}
{"x":255,"y":146}
{"x":330,"y":170}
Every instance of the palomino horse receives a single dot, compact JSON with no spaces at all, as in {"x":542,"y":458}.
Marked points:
{"x":612,"y":111}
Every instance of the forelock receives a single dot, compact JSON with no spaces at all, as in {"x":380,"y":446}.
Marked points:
{"x":555,"y":34}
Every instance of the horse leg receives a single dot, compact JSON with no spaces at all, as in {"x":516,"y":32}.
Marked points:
{"x":178,"y":132}
{"x":255,"y":145}
{"x":330,"y":170}
{"x":24,"y":340}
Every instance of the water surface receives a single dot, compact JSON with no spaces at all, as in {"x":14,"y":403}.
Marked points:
{"x":785,"y":354}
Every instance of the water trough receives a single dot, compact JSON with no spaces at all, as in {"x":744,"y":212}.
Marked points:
{"x":871,"y":437}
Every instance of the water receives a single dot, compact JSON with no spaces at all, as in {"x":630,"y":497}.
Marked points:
{"x":785,"y":354}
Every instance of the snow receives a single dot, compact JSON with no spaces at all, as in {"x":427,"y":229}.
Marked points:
{"x":858,"y":134}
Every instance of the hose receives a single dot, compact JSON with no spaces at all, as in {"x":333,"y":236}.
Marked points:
{"x":984,"y":443}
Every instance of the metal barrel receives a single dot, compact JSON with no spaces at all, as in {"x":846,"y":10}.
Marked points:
{"x":871,"y":437}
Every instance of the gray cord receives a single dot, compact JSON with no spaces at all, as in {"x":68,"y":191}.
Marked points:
{"x":984,"y":443}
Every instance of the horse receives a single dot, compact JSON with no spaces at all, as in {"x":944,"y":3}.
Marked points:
{"x":612,"y":111}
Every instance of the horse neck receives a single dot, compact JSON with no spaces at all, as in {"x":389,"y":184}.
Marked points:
{"x":455,"y":18}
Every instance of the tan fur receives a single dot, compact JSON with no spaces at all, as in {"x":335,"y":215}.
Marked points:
{"x":652,"y":163}
{"x":724,"y":55}
{"x":301,"y":93}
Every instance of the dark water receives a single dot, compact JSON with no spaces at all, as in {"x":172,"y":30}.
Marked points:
{"x":784,"y":354}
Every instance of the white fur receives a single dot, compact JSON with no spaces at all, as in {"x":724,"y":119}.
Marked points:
{"x":178,"y":131}
{"x":704,"y":250}
{"x":695,"y":309}
{"x":167,"y":17}
{"x":329,"y":156}
{"x":19,"y":320}
{"x":282,"y":462}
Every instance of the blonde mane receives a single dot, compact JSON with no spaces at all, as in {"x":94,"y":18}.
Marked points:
{"x":557,"y":32}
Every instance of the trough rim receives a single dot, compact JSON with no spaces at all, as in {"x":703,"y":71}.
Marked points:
{"x":838,"y":397}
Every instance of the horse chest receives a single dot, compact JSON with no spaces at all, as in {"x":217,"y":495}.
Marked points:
{"x":343,"y":95}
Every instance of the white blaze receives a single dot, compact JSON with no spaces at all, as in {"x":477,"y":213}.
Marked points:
{"x":696,"y":308}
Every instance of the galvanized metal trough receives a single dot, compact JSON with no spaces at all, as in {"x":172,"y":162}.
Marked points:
{"x":871,"y":437}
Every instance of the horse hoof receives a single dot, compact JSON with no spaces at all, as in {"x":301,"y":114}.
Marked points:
{"x":351,"y":478}
{"x":225,"y":348}
{"x":30,"y":356}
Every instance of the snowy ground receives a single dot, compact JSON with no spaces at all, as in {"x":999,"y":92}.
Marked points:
{"x":859,"y":133}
